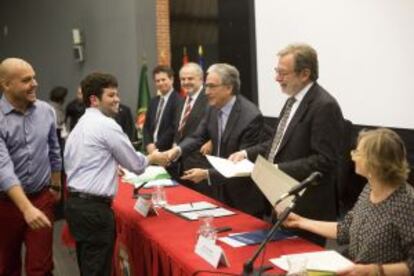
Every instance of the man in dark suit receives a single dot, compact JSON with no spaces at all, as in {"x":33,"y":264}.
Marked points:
{"x":160,"y":119}
{"x":125,"y":120}
{"x":231,"y":123}
{"x":308,"y":135}
{"x":190,"y":112}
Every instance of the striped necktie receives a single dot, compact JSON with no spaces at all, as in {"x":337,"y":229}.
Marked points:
{"x":159,"y":110}
{"x":281,"y":129}
{"x":187,"y":111}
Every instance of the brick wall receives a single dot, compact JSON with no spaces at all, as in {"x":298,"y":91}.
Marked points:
{"x":163,"y":32}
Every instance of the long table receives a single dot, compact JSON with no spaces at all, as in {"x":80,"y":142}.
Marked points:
{"x":164,"y":244}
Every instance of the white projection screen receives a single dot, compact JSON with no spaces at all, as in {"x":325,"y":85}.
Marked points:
{"x":365,"y":48}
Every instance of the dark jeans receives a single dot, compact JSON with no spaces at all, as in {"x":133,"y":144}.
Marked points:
{"x":92,"y":225}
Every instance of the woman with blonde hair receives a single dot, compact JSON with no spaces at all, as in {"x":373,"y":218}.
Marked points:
{"x":380,"y":228}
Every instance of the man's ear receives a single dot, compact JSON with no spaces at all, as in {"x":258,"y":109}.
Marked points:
{"x":305,"y":74}
{"x":94,"y":100}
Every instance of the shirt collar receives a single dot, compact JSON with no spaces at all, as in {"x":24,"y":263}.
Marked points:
{"x":303,"y":92}
{"x":166,"y":96}
{"x":7,"y":107}
{"x":226,"y":109}
{"x":195,"y":95}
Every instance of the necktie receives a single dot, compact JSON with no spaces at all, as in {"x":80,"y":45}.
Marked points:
{"x":187,"y":111}
{"x":219,"y":130}
{"x":281,"y":129}
{"x":159,"y":110}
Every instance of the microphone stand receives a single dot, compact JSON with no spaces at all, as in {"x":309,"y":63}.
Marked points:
{"x":248,"y":265}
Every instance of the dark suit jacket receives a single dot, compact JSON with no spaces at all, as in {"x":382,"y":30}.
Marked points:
{"x":243,"y":129}
{"x":124,"y":119}
{"x":311,"y":143}
{"x":194,"y":159}
{"x":165,"y":136}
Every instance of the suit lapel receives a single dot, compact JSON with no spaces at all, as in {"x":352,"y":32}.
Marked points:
{"x":300,"y":112}
{"x":196,"y":109}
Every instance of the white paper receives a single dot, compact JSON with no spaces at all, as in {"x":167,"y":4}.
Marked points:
{"x":160,"y":182}
{"x":329,"y":260}
{"x":188,"y":207}
{"x":272,"y":182}
{"x":142,"y":206}
{"x":210,"y":252}
{"x":151,"y":173}
{"x":230,"y":169}
{"x":216,"y":212}
{"x":232,"y":242}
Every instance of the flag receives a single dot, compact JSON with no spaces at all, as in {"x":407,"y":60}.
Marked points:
{"x":201,"y":60}
{"x":185,"y":61}
{"x":143,"y":102}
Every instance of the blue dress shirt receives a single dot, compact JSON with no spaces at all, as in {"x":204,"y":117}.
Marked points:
{"x":93,"y":151}
{"x":29,"y":147}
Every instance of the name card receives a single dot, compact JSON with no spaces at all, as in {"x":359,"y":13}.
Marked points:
{"x":210,"y":252}
{"x":144,"y":206}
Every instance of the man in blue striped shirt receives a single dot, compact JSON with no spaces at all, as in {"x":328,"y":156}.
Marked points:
{"x":30,"y":166}
{"x":94,"y":149}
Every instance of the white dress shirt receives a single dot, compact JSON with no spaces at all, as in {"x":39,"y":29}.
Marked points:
{"x":94,"y":149}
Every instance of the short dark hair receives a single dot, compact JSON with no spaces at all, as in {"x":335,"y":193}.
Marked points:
{"x":94,"y":84}
{"x":163,"y":69}
{"x":58,"y":94}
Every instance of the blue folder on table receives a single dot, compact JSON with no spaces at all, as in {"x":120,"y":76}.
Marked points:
{"x":258,"y":236}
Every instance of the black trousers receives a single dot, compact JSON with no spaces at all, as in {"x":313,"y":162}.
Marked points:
{"x":92,"y":224}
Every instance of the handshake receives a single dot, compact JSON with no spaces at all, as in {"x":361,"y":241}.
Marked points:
{"x":163,"y":158}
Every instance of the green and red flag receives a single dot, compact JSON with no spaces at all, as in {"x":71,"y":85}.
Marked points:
{"x":143,"y":101}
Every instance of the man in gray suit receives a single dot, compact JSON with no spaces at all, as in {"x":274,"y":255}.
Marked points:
{"x":231,"y":123}
{"x":308,"y":135}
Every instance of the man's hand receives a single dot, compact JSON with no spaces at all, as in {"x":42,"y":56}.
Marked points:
{"x":120,"y":171}
{"x":237,"y":156}
{"x":35,"y":218}
{"x":173,"y":153}
{"x":159,"y":158}
{"x":207,"y":148}
{"x":195,"y":175}
{"x":360,"y":270}
{"x":151,"y":147}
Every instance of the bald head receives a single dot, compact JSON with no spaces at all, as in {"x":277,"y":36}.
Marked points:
{"x":17,"y":79}
{"x":10,"y":65}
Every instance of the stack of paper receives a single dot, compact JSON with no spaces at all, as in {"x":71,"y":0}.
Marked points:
{"x":327,"y":261}
{"x":151,"y":173}
{"x":230,"y":169}
{"x":193,"y":210}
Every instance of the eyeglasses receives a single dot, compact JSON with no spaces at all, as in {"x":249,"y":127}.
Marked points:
{"x":282,"y":73}
{"x":212,"y":85}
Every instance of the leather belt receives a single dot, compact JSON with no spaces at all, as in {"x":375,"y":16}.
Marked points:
{"x":91,"y":197}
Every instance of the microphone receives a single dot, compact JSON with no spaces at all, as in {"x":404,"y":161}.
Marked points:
{"x":310,"y":180}
{"x":135,"y":193}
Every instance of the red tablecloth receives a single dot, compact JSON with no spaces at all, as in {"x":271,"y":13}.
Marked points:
{"x":164,"y":244}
